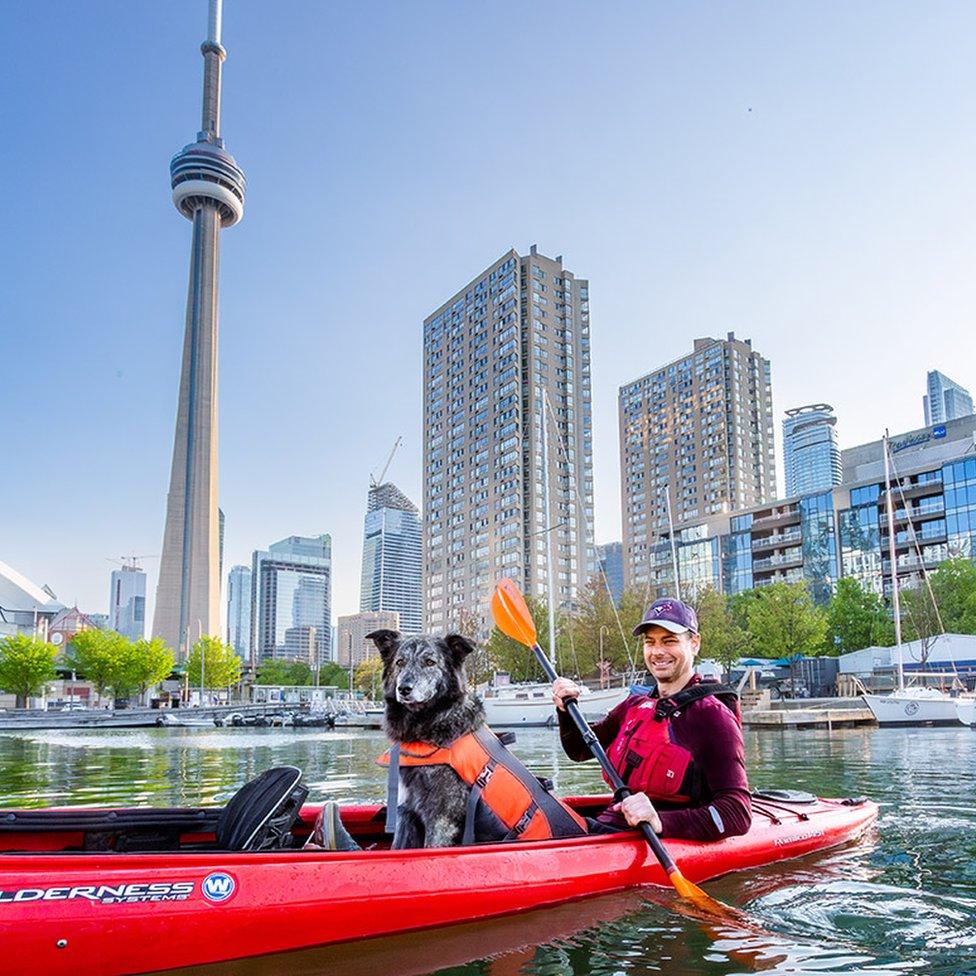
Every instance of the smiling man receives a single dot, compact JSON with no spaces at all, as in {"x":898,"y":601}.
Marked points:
{"x":679,"y":749}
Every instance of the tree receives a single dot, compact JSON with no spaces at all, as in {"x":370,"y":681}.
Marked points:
{"x":276,"y":672}
{"x":856,"y":618}
{"x":98,"y":656}
{"x":723,"y":639}
{"x":147,"y":663}
{"x":333,"y":674}
{"x":785,"y":622}
{"x":368,"y":676}
{"x":954,"y":588}
{"x":26,"y":666}
{"x":597,"y":624}
{"x":221,"y":666}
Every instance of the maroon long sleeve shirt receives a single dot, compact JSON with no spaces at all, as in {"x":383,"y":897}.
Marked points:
{"x":710,"y":732}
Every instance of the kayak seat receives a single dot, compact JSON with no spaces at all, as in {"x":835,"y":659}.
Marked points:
{"x":261,"y":814}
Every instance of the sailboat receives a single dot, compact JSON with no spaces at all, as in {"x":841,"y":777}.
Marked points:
{"x":914,"y":704}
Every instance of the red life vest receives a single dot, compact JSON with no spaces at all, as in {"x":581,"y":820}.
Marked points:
{"x":525,"y":808}
{"x":647,"y":759}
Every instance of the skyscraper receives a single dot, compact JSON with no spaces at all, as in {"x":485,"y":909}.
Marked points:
{"x":811,"y":457}
{"x":291,"y":600}
{"x":392,"y":563}
{"x":127,"y":602}
{"x":352,"y":646}
{"x":239,"y":611}
{"x":610,"y":561}
{"x":503,"y":494}
{"x":697,"y":432}
{"x":945,"y":400}
{"x":208,"y":189}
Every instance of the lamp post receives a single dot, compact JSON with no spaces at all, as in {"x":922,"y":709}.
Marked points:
{"x":604,"y":677}
{"x":202,"y":658}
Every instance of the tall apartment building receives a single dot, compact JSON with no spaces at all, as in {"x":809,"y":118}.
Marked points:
{"x":945,"y":399}
{"x":507,"y":350}
{"x":291,"y":599}
{"x":352,"y":648}
{"x":392,"y":560}
{"x":239,"y":611}
{"x":701,"y":429}
{"x":127,"y":602}
{"x":811,"y":457}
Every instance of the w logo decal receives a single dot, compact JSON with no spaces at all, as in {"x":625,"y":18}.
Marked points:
{"x":218,"y":886}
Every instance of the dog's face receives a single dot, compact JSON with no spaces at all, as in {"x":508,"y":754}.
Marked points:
{"x":420,"y":670}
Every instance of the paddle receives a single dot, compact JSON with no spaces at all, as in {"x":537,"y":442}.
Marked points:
{"x":513,"y":619}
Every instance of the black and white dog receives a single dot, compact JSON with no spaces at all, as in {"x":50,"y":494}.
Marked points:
{"x":427,"y":700}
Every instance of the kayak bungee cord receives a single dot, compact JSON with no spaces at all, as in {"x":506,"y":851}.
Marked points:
{"x":513,"y":619}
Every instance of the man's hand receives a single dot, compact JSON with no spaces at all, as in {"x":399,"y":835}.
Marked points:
{"x":636,"y":809}
{"x":562,"y":691}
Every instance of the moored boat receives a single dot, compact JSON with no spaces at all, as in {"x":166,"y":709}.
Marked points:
{"x":133,"y":891}
{"x":527,"y":705}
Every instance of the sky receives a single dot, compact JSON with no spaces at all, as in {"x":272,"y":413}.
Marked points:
{"x":799,"y":173}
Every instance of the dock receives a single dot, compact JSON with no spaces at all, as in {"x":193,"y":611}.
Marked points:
{"x":813,"y":713}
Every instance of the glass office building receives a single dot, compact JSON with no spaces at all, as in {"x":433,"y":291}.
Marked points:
{"x":945,"y":399}
{"x":239,"y":611}
{"x":291,"y":597}
{"x":811,"y":457}
{"x":610,"y":560}
{"x":392,"y":559}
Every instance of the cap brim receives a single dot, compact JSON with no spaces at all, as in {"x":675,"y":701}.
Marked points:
{"x":666,"y":624}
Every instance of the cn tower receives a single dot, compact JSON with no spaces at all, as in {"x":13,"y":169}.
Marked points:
{"x":208,"y":189}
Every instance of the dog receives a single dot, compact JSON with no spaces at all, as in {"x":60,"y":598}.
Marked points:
{"x":459,"y":784}
{"x":427,"y":700}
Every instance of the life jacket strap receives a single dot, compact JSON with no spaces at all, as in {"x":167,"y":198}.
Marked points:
{"x":474,"y":797}
{"x":668,"y":707}
{"x":392,"y":789}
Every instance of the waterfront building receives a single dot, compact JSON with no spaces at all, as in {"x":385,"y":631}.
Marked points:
{"x":610,"y":559}
{"x":66,"y":623}
{"x":25,"y":607}
{"x":127,"y":601}
{"x":99,"y":620}
{"x":698,"y":433}
{"x":239,"y":611}
{"x":352,"y":647}
{"x":822,"y":536}
{"x":208,"y":189}
{"x":945,"y":399}
{"x":392,"y":559}
{"x":291,"y":599}
{"x":504,"y":493}
{"x":811,"y":457}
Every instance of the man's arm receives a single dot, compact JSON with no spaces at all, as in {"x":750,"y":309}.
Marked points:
{"x":605,"y":730}
{"x":714,"y":738}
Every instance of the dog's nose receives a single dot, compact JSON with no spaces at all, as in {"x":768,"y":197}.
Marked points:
{"x":404,"y":690}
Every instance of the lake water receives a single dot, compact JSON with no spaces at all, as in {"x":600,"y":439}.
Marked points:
{"x":901,"y":901}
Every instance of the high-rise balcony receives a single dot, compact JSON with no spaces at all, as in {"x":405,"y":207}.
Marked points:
{"x":777,"y":520}
{"x":776,"y":541}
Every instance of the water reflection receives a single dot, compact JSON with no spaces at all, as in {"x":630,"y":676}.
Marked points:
{"x":902,"y":900}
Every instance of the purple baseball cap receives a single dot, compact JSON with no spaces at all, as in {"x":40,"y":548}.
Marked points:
{"x":670,"y":614}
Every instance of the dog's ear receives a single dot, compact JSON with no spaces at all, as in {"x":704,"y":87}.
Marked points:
{"x":460,"y":647}
{"x":386,"y":641}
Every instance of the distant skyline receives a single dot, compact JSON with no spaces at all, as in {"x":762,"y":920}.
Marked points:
{"x":798,"y":174}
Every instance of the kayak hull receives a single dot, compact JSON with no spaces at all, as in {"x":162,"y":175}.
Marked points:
{"x":108,"y":914}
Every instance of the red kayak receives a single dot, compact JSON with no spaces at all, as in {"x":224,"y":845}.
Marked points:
{"x":94,"y":892}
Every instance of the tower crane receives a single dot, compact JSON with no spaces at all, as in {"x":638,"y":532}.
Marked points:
{"x":374,"y":482}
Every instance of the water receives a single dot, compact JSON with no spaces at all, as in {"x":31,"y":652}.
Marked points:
{"x":898,"y":903}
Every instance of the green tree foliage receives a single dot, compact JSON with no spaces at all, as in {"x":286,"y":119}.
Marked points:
{"x":368,"y":677}
{"x":596,"y":617}
{"x":272,"y":672}
{"x":856,"y":618}
{"x":724,"y":639}
{"x":784,"y":621}
{"x":97,"y":655}
{"x":149,"y":661}
{"x":334,"y":674}
{"x":221,"y":666}
{"x":26,"y":666}
{"x":954,"y":588}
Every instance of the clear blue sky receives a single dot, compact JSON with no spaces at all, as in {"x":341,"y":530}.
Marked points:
{"x":800,"y":173}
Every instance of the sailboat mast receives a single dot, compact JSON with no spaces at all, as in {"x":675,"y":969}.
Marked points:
{"x":674,"y":548}
{"x":895,"y":602}
{"x":550,"y":598}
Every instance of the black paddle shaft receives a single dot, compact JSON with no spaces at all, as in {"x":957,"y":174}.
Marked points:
{"x":593,"y":744}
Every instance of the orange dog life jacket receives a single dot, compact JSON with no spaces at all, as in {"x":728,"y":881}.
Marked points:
{"x":525,"y":808}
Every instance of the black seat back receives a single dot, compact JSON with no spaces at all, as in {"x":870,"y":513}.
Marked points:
{"x":261,"y":813}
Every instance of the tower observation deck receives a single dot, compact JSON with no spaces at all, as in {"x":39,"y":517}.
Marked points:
{"x":208,"y":189}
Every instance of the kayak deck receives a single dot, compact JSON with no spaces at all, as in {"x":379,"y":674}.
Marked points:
{"x":207,"y":906}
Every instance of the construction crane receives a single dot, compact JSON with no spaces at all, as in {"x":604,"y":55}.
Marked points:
{"x":131,"y":562}
{"x":374,"y":482}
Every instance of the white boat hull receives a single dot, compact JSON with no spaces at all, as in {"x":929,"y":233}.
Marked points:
{"x":966,"y":710}
{"x":511,"y":712}
{"x":908,"y":708}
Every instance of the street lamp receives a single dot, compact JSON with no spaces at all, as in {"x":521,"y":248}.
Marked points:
{"x":604,"y":677}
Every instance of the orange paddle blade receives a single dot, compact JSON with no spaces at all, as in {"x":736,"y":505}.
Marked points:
{"x":511,"y":615}
{"x":689,"y":891}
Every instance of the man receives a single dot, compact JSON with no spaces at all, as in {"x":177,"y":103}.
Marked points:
{"x":679,"y":749}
